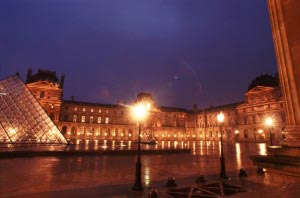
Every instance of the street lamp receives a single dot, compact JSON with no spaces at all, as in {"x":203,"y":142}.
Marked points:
{"x":220,"y":118}
{"x":269,"y":123}
{"x":237,"y":134}
{"x":140,"y":112}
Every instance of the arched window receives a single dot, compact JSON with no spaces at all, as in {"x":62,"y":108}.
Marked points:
{"x":107,"y":132}
{"x":73,"y":130}
{"x":245,"y":133}
{"x":130,"y":133}
{"x":99,"y":132}
{"x":64,"y":130}
{"x":91,"y":132}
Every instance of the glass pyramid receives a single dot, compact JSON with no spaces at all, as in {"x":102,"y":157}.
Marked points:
{"x":22,"y":119}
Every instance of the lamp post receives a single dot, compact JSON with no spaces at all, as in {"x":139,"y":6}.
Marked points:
{"x":220,"y":118}
{"x":269,"y":123}
{"x":140,"y":112}
{"x":237,"y":134}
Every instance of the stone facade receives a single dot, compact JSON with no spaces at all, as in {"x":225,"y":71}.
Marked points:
{"x":46,"y":87}
{"x":244,"y":121}
{"x":261,"y":102}
{"x":285,"y":20}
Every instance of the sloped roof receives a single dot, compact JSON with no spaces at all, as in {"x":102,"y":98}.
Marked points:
{"x":44,"y":75}
{"x":172,"y":109}
{"x":73,"y":102}
{"x":221,"y":107}
{"x":264,"y":80}
{"x":259,"y":89}
{"x":22,"y":119}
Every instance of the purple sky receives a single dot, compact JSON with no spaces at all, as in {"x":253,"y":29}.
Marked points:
{"x":184,"y":52}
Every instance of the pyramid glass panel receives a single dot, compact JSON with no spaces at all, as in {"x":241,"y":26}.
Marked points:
{"x":22,"y":119}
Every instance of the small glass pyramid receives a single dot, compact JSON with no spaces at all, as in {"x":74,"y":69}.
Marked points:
{"x":22,"y":119}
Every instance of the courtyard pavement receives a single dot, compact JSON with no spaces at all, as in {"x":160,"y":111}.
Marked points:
{"x":271,"y":184}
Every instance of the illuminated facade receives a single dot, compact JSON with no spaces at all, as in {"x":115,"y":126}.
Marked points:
{"x":46,"y":87}
{"x":261,"y":102}
{"x":91,"y":121}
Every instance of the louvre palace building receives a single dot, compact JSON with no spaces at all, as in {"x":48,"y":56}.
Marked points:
{"x":244,"y":121}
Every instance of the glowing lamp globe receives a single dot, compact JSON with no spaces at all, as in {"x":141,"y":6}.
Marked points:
{"x":220,"y":117}
{"x":140,"y":111}
{"x":269,"y":121}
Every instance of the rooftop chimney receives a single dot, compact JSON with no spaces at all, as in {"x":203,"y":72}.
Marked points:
{"x":62,"y":81}
{"x":195,"y":107}
{"x":29,"y":74}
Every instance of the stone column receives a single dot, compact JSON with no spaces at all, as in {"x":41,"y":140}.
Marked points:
{"x":285,"y":21}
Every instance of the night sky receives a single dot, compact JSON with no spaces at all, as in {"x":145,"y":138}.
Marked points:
{"x":184,"y":52}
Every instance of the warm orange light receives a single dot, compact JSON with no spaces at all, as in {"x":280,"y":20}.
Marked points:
{"x":220,"y":117}
{"x":236,"y":131}
{"x":148,"y":106}
{"x":269,"y":121}
{"x":140,"y":111}
{"x":260,"y":131}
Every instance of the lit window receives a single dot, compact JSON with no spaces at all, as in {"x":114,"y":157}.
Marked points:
{"x":99,"y":110}
{"x":91,"y":119}
{"x":99,"y":119}
{"x":82,"y":130}
{"x":107,"y":111}
{"x":106,"y":120}
{"x":74,"y":118}
{"x":92,"y":110}
{"x":75,"y":108}
{"x":82,"y":118}
{"x":83,"y":109}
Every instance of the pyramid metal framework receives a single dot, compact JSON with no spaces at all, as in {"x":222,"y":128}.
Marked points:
{"x":22,"y":119}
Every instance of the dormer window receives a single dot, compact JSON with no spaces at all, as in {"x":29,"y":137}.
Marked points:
{"x":42,"y":94}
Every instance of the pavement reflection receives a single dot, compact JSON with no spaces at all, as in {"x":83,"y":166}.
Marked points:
{"x":40,"y":174}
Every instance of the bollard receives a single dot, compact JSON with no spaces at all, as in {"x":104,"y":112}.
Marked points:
{"x":200,"y":179}
{"x":153,"y":193}
{"x":243,"y":173}
{"x":171,"y":182}
{"x":260,"y":170}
